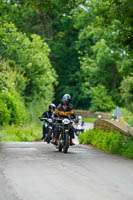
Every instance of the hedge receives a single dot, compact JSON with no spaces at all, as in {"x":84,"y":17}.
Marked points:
{"x":112,"y":141}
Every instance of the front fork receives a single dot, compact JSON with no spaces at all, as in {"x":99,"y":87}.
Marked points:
{"x":61,"y":137}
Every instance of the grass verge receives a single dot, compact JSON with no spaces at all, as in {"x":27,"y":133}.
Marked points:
{"x":89,"y":120}
{"x":128,"y":116}
{"x":112,"y":141}
{"x":19,"y":133}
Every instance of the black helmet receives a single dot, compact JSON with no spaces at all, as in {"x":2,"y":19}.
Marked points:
{"x":67,"y":96}
{"x":65,"y":102}
{"x":52,"y":106}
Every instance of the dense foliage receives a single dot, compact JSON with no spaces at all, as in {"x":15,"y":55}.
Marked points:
{"x":26,"y":74}
{"x":111,"y":141}
{"x":12,"y":108}
{"x":128,"y":116}
{"x":20,"y":133}
{"x":127,"y":92}
{"x":84,"y":46}
{"x":30,"y":59}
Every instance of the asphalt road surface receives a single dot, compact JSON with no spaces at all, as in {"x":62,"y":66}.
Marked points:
{"x":37,"y":171}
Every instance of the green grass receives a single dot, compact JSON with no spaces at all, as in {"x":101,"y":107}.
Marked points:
{"x":112,"y":141}
{"x":20,"y":133}
{"x":128,"y":116}
{"x":89,"y":120}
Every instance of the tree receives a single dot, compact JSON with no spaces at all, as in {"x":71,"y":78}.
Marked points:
{"x":89,"y":42}
{"x":103,"y":60}
{"x":100,"y":101}
{"x":53,"y":21}
{"x":127,"y":92}
{"x":30,"y":59}
{"x":12,"y":108}
{"x":108,"y":11}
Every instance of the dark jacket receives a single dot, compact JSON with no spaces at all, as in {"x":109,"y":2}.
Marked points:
{"x":46,"y":114}
{"x":68,"y":112}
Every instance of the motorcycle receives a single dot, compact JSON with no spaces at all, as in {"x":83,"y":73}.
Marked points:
{"x":79,"y":127}
{"x":63,"y":138}
{"x":49,"y":127}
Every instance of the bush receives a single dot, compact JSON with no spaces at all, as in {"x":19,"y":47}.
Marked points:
{"x":5,"y":115}
{"x":35,"y":110}
{"x":128,"y":116}
{"x":127,"y":92}
{"x":30,"y":59}
{"x":20,"y":133}
{"x":128,"y":152}
{"x":100,"y":101}
{"x":111,"y":141}
{"x":12,"y":109}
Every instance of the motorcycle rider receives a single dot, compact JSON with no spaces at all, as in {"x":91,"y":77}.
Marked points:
{"x":81,"y":122}
{"x":65,"y":110}
{"x":47,"y":114}
{"x":68,"y":97}
{"x":79,"y":126}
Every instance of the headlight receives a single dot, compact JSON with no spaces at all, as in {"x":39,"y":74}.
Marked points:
{"x":66,"y":121}
{"x":50,"y":120}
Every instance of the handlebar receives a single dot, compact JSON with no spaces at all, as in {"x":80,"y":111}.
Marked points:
{"x":43,"y":118}
{"x":56,"y":119}
{"x":46,"y":119}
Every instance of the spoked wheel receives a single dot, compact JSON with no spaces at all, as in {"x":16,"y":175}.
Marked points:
{"x":60,"y":148}
{"x":49,"y":136}
{"x":66,"y":143}
{"x":59,"y":144}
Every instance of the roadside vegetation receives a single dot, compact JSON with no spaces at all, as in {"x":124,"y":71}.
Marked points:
{"x":21,"y":133}
{"x":89,"y":120}
{"x":49,"y":48}
{"x":27,"y":82}
{"x":127,"y":116}
{"x":112,"y":141}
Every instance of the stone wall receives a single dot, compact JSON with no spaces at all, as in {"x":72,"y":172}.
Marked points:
{"x":85,"y":113}
{"x":88,"y":114}
{"x":108,"y":125}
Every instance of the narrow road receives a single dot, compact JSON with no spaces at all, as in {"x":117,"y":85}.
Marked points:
{"x":37,"y":171}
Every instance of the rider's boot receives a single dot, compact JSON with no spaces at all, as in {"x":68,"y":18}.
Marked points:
{"x":53,"y":141}
{"x":45,"y":139}
{"x":71,"y":142}
{"x":42,"y":138}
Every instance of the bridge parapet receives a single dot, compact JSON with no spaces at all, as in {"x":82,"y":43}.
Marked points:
{"x":108,"y":125}
{"x":88,"y":114}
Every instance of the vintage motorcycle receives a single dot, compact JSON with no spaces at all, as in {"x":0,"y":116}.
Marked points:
{"x":49,"y":129}
{"x":63,"y":138}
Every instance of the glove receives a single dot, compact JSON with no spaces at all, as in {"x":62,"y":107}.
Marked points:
{"x":40,"y":118}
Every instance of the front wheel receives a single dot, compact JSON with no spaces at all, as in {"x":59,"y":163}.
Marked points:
{"x":60,"y":148}
{"x":49,"y":136}
{"x":66,"y":143}
{"x":60,"y":144}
